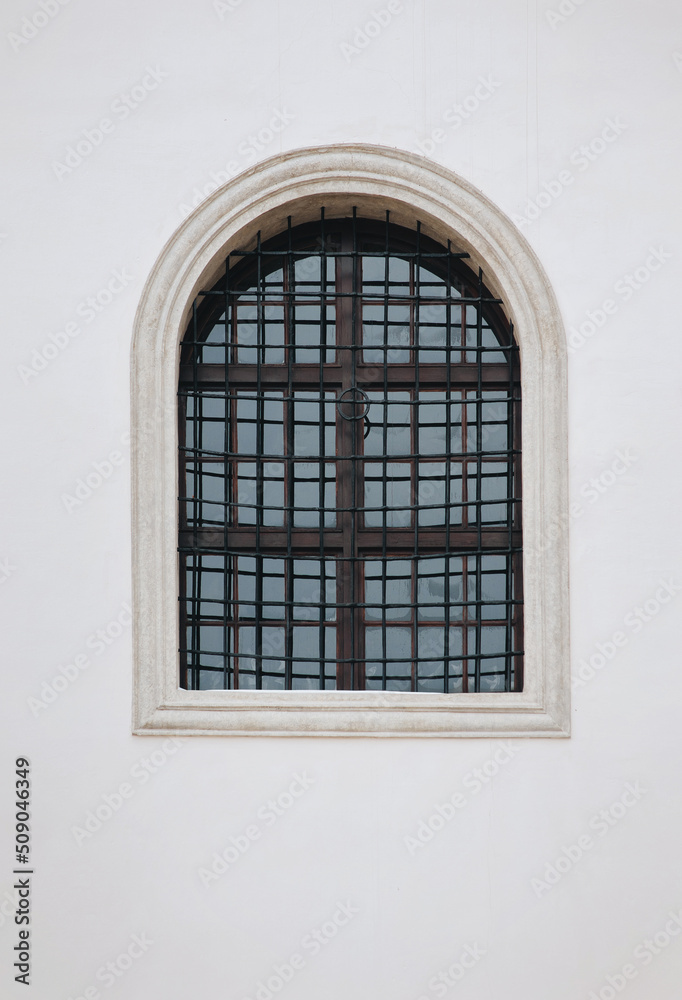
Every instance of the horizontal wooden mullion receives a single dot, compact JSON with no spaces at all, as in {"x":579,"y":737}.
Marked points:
{"x":367,"y":376}
{"x":369,"y":540}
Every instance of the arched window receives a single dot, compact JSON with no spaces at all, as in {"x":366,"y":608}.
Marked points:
{"x":349,"y":469}
{"x":345,"y":473}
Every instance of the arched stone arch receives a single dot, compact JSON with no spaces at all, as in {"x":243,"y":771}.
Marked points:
{"x":372,"y":179}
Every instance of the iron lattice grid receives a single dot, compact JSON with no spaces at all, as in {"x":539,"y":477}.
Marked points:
{"x":349,"y":461}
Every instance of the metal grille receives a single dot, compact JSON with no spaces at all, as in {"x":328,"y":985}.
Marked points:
{"x":349,"y":464}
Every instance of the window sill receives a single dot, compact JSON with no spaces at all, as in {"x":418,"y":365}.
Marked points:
{"x":353,"y":713}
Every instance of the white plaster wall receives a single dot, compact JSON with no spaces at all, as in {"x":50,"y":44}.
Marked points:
{"x":67,"y":574}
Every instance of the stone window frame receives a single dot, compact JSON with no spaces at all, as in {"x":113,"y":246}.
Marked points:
{"x":371,"y":179}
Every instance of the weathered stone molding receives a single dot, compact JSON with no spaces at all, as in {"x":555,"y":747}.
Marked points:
{"x":298,"y":183}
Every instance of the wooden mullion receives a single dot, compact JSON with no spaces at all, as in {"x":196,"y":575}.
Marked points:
{"x":464,"y":376}
{"x":368,"y":539}
{"x":345,"y":439}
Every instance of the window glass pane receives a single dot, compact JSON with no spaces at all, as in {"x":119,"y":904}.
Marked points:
{"x":432,"y":423}
{"x":307,"y":270}
{"x":212,"y":350}
{"x":493,"y":478}
{"x":389,"y":424}
{"x":439,"y":667}
{"x":395,"y":645}
{"x":210,"y":424}
{"x":208,"y":485}
{"x":247,"y":334}
{"x":386,"y":329}
{"x":495,"y":422}
{"x":314,"y":424}
{"x":493,"y":587}
{"x":314,"y":328}
{"x":274,"y":280}
{"x":246,"y":586}
{"x":493,"y":646}
{"x":247,"y":415}
{"x":373,"y":333}
{"x":490,"y":354}
{"x":246,"y":486}
{"x":488,"y":415}
{"x":437,"y":492}
{"x":388,"y":582}
{"x":471,"y":315}
{"x":398,"y":275}
{"x":433,"y":333}
{"x":434,"y":412}
{"x":431,"y":286}
{"x":273,"y":424}
{"x":398,"y":319}
{"x":392,"y":493}
{"x":271,"y":478}
{"x":273,"y":334}
{"x":439,"y":597}
{"x":314,"y":589}
{"x":311,"y":509}
{"x":273,"y":588}
{"x":273,"y":663}
{"x":260,"y":416}
{"x":246,"y":662}
{"x":375,"y":273}
{"x":313,"y":656}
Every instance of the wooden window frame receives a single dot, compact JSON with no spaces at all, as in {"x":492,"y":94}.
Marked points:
{"x":350,"y":542}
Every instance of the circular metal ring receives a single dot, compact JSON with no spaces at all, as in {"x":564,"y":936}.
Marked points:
{"x":364,"y":399}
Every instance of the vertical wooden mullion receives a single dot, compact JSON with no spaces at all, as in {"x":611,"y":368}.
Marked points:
{"x":345,"y":439}
{"x":289,"y":276}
